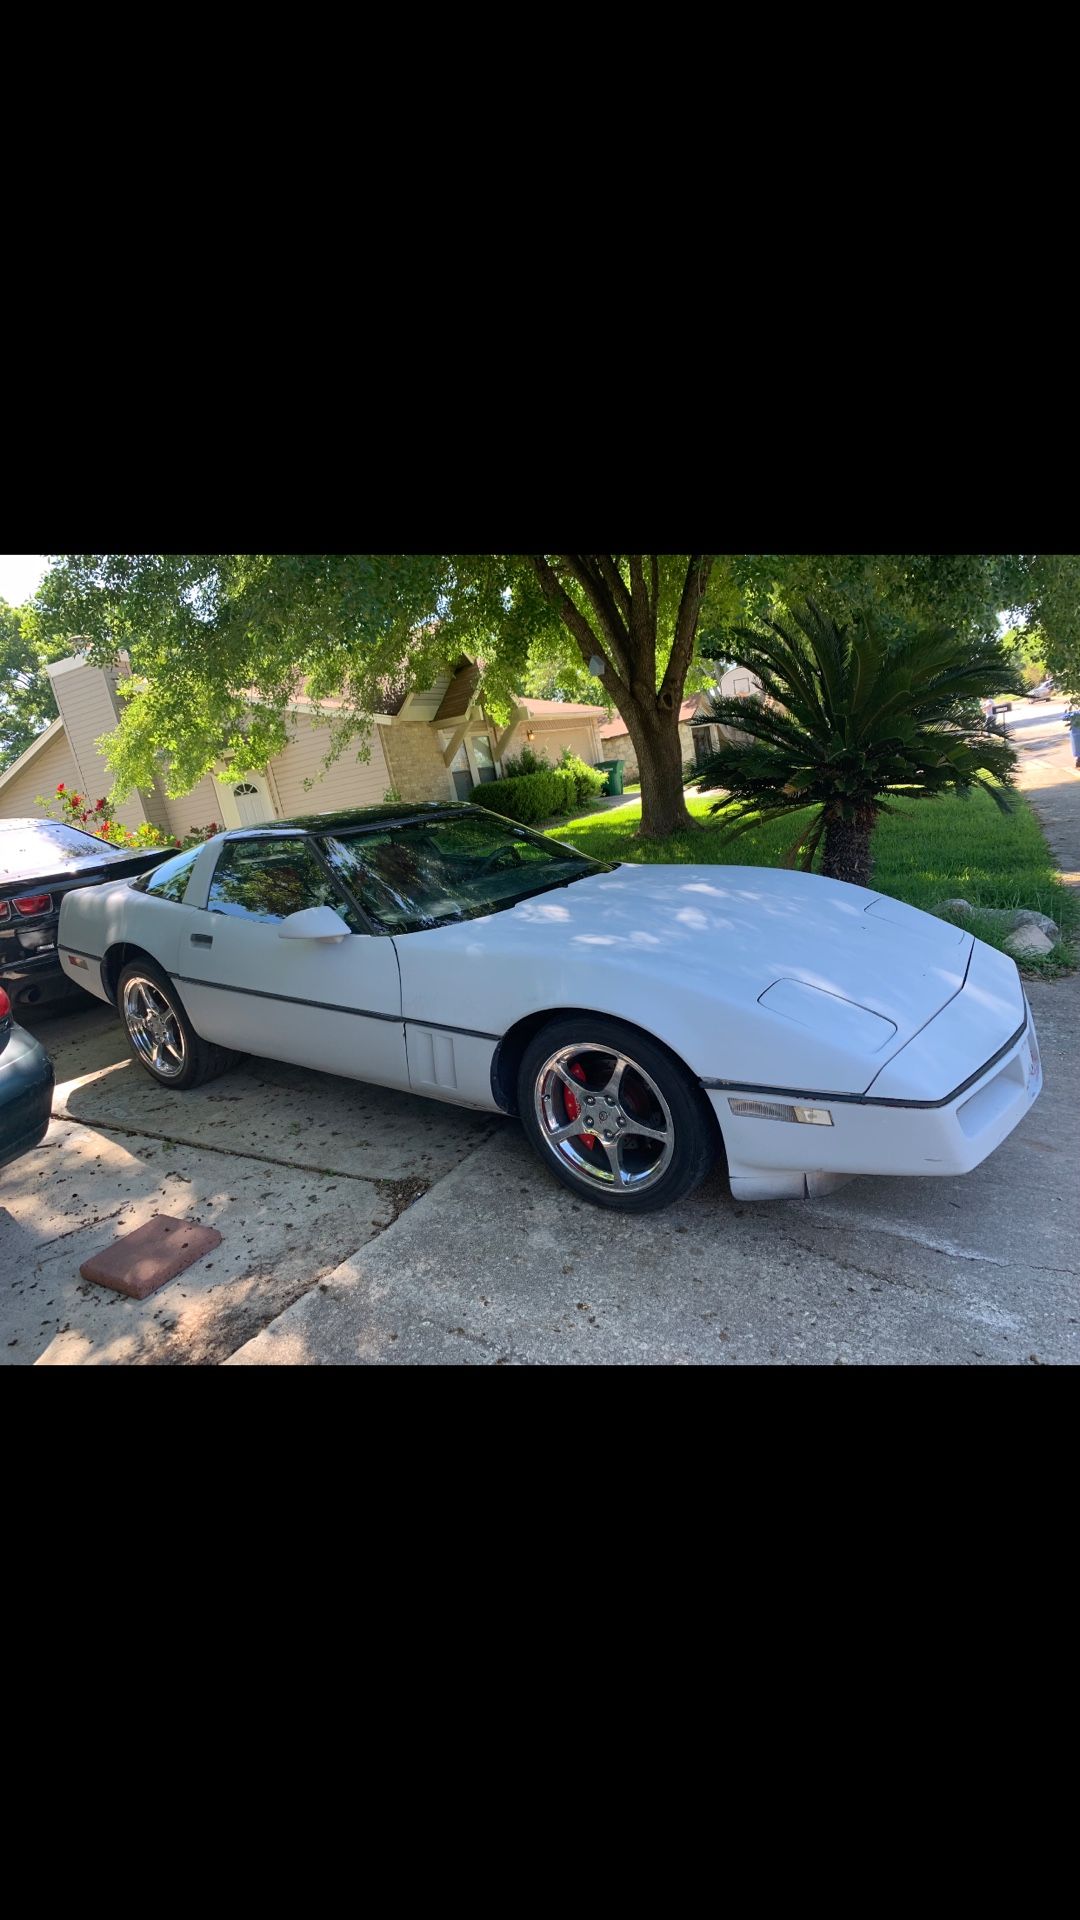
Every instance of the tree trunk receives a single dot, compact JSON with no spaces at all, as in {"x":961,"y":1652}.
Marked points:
{"x":847,"y":848}
{"x":621,"y":648}
{"x":655,"y":734}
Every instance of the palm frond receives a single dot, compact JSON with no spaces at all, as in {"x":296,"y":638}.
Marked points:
{"x":806,"y":844}
{"x":847,"y":715}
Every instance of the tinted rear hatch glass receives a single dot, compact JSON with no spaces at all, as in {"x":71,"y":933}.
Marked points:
{"x":46,"y":851}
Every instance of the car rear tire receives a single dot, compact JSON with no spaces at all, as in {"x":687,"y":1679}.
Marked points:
{"x":653,"y":1137}
{"x":160,"y":1035}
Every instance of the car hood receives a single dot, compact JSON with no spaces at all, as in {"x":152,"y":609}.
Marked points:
{"x":753,"y":975}
{"x":765,"y":935}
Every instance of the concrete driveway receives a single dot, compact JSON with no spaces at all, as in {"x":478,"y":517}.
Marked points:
{"x":296,"y":1170}
{"x":368,"y":1227}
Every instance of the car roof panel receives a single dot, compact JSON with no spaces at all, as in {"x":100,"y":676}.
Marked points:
{"x":357,"y":819}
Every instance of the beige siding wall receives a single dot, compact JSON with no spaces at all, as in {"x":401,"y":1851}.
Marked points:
{"x":194,"y":809}
{"x":56,"y":762}
{"x":348,"y":782}
{"x":415,"y":762}
{"x":88,"y":708}
{"x":157,"y":807}
{"x":550,"y":737}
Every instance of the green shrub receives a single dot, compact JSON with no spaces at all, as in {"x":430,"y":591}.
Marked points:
{"x":530,"y":796}
{"x":527,"y":761}
{"x":587,"y":780}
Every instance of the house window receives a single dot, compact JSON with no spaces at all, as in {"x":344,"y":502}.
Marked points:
{"x":483,"y":759}
{"x":472,"y":765}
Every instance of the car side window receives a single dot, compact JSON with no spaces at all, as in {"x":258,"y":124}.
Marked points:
{"x":169,"y":881}
{"x":268,"y":879}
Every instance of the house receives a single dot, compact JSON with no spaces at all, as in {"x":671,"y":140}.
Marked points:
{"x":435,"y":743}
{"x":618,"y":745}
{"x":697,"y":742}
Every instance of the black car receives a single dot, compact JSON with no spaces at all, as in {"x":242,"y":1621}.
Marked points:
{"x":40,"y":861}
{"x":26,"y":1084}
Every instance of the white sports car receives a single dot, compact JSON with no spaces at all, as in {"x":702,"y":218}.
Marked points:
{"x":637,"y":1018}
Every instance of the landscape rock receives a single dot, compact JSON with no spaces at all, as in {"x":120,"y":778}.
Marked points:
{"x":1027,"y":917}
{"x":1014,"y":918}
{"x":1026,"y":942}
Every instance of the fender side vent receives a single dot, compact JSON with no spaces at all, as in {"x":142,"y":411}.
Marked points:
{"x":761,"y":1109}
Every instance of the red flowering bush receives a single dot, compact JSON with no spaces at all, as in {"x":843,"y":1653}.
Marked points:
{"x":97,"y":818}
{"x":198,"y":834}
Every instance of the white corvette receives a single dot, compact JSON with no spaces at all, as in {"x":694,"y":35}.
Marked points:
{"x":635,"y":1017}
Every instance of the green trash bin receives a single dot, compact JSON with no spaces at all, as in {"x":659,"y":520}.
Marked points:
{"x":614,"y":771}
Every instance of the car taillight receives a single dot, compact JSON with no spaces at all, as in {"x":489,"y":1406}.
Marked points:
{"x":33,"y":903}
{"x":5,"y":910}
{"x":5,"y":1005}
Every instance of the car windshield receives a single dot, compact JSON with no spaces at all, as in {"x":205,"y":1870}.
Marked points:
{"x":30,"y":848}
{"x":437,"y":871}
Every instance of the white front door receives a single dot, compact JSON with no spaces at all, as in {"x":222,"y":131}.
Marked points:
{"x":245,"y":802}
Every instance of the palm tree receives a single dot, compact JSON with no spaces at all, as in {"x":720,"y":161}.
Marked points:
{"x":847,"y":715}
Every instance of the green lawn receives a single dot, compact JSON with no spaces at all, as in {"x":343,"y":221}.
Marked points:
{"x":928,"y":850}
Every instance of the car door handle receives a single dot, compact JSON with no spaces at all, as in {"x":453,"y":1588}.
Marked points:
{"x":202,"y":939}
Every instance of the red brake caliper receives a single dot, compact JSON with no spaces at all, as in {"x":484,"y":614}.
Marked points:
{"x":577,"y":1072}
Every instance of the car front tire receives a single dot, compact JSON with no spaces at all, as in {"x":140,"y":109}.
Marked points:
{"x":160,"y":1035}
{"x":613,"y":1116}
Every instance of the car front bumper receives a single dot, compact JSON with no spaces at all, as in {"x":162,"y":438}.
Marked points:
{"x":26,"y":1088}
{"x":773,"y":1158}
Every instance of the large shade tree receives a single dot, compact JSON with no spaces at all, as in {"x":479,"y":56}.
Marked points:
{"x":220,"y":643}
{"x":26,"y":696}
{"x":1053,"y":612}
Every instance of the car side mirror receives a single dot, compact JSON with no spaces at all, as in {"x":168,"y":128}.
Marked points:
{"x":313,"y":923}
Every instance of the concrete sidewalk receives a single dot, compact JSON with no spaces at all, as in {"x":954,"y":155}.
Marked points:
{"x":1048,"y":777}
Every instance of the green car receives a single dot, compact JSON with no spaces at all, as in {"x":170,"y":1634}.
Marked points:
{"x":26,"y":1085}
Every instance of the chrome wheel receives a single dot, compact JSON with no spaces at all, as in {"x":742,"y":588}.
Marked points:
{"x":603,"y":1117}
{"x":156,"y":1033}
